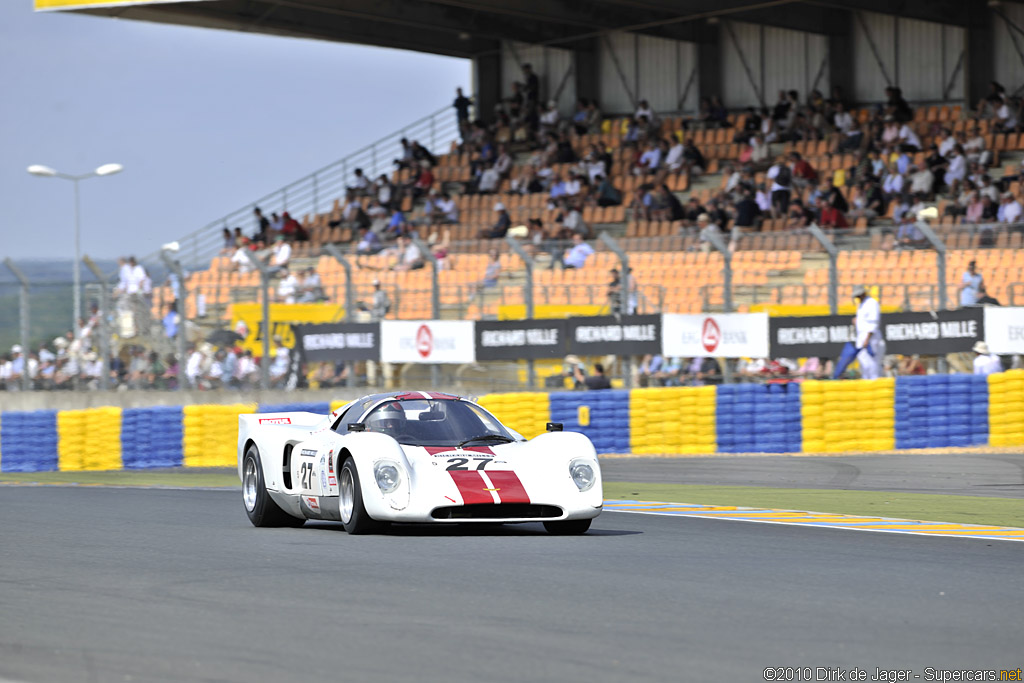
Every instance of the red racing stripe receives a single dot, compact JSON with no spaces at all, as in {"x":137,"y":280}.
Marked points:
{"x":510,"y":489}
{"x":471,"y":487}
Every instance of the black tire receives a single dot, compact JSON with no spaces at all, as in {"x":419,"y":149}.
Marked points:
{"x":568,"y":527}
{"x":259,"y":506}
{"x":350,"y":502}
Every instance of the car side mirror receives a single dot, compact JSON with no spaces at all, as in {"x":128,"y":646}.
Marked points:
{"x":554,"y":426}
{"x":356,"y":427}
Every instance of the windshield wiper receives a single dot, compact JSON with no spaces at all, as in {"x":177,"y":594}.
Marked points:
{"x":481,"y":437}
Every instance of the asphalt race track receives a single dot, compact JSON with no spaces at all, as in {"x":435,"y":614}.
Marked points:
{"x":106,"y":584}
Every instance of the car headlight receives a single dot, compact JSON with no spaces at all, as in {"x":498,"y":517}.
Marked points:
{"x":388,"y":476}
{"x":582,"y":474}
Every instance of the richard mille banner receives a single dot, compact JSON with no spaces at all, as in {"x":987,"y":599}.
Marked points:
{"x":520,"y":339}
{"x":933,"y":333}
{"x":813,"y":335}
{"x":632,"y":335}
{"x":338,"y":342}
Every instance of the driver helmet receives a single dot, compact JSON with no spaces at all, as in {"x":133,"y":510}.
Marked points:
{"x":388,"y":419}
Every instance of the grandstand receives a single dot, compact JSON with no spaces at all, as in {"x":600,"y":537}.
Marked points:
{"x":679,"y":56}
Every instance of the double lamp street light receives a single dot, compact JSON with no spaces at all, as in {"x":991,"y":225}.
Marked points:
{"x":47,"y":172}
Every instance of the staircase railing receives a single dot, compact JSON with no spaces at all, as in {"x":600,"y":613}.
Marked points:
{"x":315,"y":193}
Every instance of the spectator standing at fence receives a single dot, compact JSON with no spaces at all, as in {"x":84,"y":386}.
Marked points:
{"x":381,"y":305}
{"x":971,"y":283}
{"x":598,"y":380}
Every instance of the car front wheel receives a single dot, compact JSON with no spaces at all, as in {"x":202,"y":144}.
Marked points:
{"x":353,"y":513}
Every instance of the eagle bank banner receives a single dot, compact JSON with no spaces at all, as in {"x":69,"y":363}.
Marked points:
{"x":1004,"y":329}
{"x":515,"y":340}
{"x":723,"y":335}
{"x":427,"y":341}
{"x":338,"y":342}
{"x":623,"y":335}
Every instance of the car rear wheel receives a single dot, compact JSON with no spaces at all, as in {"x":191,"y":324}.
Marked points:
{"x":568,"y":527}
{"x":259,"y":506}
{"x":350,"y":499}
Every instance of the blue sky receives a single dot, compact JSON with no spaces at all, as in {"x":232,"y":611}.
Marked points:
{"x":203,"y":121}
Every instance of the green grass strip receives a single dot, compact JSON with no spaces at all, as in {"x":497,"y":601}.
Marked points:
{"x":923,"y":506}
{"x":205,"y":478}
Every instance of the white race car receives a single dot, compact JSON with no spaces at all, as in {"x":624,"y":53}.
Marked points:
{"x":413,"y":457}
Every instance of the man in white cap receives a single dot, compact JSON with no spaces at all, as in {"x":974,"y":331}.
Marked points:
{"x":985,"y":363}
{"x":870,"y":347}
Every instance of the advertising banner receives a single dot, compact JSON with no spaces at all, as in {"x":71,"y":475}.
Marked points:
{"x":631,"y":335}
{"x":1004,"y":329}
{"x":282,"y":319}
{"x":721,"y":335}
{"x":520,"y":339}
{"x":803,"y":336}
{"x":932,"y":334}
{"x":338,"y":342}
{"x":42,"y":5}
{"x":427,"y":341}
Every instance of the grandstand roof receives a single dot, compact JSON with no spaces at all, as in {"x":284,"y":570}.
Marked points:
{"x":468,"y":28}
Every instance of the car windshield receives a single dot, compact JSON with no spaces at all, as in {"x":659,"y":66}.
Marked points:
{"x":436,"y":422}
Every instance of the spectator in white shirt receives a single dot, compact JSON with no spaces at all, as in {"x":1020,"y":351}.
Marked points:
{"x":288,"y":288}
{"x":975,"y":150}
{"x":1010,"y":209}
{"x":985,"y":362}
{"x":909,"y":142}
{"x":1006,"y":119}
{"x":361,"y":184}
{"x":674,"y":159}
{"x":650,"y":160}
{"x":576,"y":256}
{"x":644,"y":109}
{"x":280,"y":253}
{"x":573,"y":186}
{"x":842,"y":119}
{"x":921,"y":180}
{"x":957,"y":170}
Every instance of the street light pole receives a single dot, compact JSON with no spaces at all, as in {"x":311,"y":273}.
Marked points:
{"x":77,"y":296}
{"x":47,"y":172}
